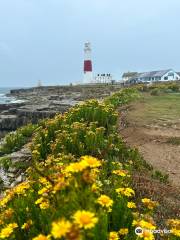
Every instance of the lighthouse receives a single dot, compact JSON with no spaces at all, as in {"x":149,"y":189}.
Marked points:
{"x":88,"y":74}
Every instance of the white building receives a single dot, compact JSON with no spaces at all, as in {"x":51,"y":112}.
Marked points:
{"x":128,"y":75}
{"x":103,"y":78}
{"x":155,"y":76}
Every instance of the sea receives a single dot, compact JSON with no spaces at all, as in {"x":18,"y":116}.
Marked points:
{"x":4,"y":99}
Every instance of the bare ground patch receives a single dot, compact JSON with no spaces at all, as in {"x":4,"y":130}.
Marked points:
{"x":153,"y":146}
{"x":151,"y":137}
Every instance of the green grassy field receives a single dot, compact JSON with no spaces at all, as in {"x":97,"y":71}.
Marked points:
{"x":156,"y":109}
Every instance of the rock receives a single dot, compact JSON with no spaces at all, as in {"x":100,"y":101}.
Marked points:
{"x":12,"y":170}
{"x":19,"y":179}
{"x":23,"y":155}
{"x":10,"y":175}
{"x":15,"y":173}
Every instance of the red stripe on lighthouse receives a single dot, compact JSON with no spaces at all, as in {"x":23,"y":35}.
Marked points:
{"x":87,"y":66}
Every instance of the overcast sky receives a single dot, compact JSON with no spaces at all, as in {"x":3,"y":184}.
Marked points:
{"x":43,"y":39}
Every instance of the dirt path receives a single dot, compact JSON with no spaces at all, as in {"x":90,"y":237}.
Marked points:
{"x":152,"y":144}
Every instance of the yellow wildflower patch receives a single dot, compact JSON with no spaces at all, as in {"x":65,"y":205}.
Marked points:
{"x":131,"y":205}
{"x":122,"y":173}
{"x":21,"y":188}
{"x":149,"y":203}
{"x":128,"y":192}
{"x":123,"y":231}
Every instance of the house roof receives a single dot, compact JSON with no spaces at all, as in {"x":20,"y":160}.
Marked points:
{"x":153,"y":73}
{"x":129,"y":74}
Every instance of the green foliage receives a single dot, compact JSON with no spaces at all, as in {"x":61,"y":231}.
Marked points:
{"x":123,"y":97}
{"x":155,"y":92}
{"x":162,"y":87}
{"x":174,"y":140}
{"x":15,"y":140}
{"x":164,"y":178}
{"x":5,"y":162}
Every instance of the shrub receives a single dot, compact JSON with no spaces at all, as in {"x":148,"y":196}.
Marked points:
{"x":155,"y":92}
{"x":15,"y":140}
{"x":5,"y":162}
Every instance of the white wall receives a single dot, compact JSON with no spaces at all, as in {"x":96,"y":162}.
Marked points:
{"x":170,"y":78}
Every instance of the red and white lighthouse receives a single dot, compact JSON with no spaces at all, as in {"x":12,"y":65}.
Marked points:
{"x":88,"y":74}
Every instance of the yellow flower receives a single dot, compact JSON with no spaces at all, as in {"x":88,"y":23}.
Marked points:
{"x":175,"y":223}
{"x":8,"y":230}
{"x":176,"y":232}
{"x":147,"y":235}
{"x":43,"y":180}
{"x":128,"y":192}
{"x":1,"y":222}
{"x":40,"y":237}
{"x":35,"y":152}
{"x":95,"y":188}
{"x":105,"y":201}
{"x":60,"y":228}
{"x":91,"y":162}
{"x":8,"y":213}
{"x":113,"y":236}
{"x":85,"y":219}
{"x":121,"y":173}
{"x":144,"y":224}
{"x":123,"y":231}
{"x":60,"y":184}
{"x":44,"y":205}
{"x":149,"y":203}
{"x":43,"y":190}
{"x":131,"y":205}
{"x":27,"y":225}
{"x":76,"y":167}
{"x":6,"y":199}
{"x":39,"y":200}
{"x":21,"y":188}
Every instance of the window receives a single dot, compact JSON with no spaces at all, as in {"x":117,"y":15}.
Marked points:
{"x":171,"y":74}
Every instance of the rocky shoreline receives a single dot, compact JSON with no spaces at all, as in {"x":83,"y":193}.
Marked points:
{"x":45,"y":102}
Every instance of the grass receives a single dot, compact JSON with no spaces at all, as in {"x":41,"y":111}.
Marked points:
{"x":14,"y":141}
{"x":174,"y":140}
{"x":156,"y":109}
{"x":163,"y":178}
